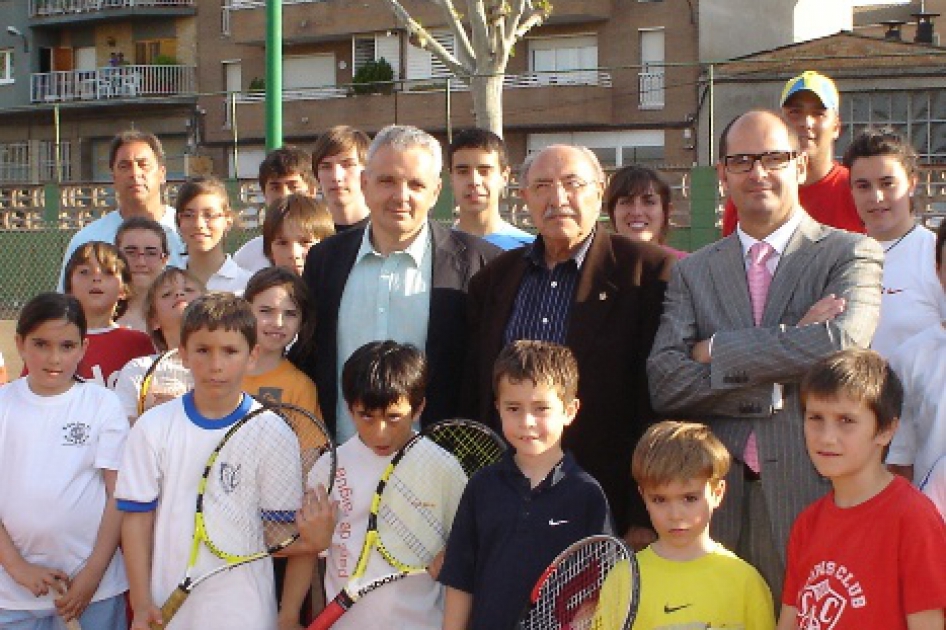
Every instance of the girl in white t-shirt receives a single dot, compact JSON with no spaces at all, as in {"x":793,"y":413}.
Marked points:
{"x":61,"y":442}
{"x":163,"y":309}
{"x":203,"y":218}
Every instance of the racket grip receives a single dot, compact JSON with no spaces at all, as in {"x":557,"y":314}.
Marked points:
{"x":328,"y":617}
{"x":171,"y":606}
{"x":73,"y":624}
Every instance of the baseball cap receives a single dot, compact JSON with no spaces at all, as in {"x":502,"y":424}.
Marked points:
{"x":815,"y":82}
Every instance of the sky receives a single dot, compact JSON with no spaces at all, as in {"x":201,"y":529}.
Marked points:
{"x":869,"y":2}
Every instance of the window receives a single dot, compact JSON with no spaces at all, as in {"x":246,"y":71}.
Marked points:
{"x":651,"y":80}
{"x":367,"y":48}
{"x":149,"y":50}
{"x":557,"y":60}
{"x":34,"y":161}
{"x":918,"y":116}
{"x":614,"y":149}
{"x":6,"y":65}
{"x":421,"y":64}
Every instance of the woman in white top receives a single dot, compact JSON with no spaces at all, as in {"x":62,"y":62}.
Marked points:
{"x":203,"y":218}
{"x":883,"y":179}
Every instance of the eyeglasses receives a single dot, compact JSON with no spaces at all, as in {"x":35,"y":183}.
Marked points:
{"x":770,"y":161}
{"x":207,"y":216}
{"x":571,"y":186}
{"x":148,"y":253}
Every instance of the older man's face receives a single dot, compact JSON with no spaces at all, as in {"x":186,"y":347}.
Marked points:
{"x":400,"y":188}
{"x":563,"y":194}
{"x":137,"y":174}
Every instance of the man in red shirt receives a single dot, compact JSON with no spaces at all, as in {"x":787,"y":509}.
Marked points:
{"x":810,"y":104}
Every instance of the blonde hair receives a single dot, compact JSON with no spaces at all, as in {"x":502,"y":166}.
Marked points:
{"x":678,"y":451}
{"x":149,"y":307}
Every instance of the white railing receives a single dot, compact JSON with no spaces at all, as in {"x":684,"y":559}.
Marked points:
{"x":510,"y":81}
{"x":40,"y":8}
{"x":651,"y":89}
{"x":112,"y":83}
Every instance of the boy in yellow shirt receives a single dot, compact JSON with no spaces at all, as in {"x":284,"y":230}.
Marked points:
{"x":687,"y":579}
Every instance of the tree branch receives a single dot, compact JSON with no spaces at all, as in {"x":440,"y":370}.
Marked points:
{"x":426,"y":41}
{"x":464,"y":48}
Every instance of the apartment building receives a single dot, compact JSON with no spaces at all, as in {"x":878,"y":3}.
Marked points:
{"x":73,"y":72}
{"x":598,"y":73}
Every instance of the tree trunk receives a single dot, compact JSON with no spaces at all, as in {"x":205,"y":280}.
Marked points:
{"x":488,"y":102}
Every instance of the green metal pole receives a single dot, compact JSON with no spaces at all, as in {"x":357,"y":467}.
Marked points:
{"x":273,"y":74}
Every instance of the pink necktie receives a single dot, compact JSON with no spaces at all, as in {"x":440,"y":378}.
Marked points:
{"x":759,"y":278}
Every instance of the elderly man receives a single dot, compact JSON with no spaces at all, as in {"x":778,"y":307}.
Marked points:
{"x":136,"y":159}
{"x":595,"y":292}
{"x":402,"y":277}
{"x":745,"y":318}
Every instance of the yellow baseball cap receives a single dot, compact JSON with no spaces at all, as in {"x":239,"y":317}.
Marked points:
{"x":814,"y":82}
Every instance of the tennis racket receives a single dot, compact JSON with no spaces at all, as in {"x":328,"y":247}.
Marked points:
{"x":165,"y":379}
{"x":59,"y":589}
{"x":414,"y":505}
{"x":592,"y":585}
{"x":250,"y":490}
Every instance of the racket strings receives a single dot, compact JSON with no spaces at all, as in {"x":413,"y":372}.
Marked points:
{"x":589,"y":589}
{"x":256,"y":483}
{"x":474,"y":446}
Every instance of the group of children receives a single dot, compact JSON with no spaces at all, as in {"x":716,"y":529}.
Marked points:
{"x":870,"y":554}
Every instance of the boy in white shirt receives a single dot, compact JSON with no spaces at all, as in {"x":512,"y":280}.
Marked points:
{"x":157,"y":484}
{"x":383,"y":383}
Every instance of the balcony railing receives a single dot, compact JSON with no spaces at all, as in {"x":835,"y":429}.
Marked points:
{"x":510,"y":81}
{"x":120,"y":82}
{"x":651,"y":88}
{"x":44,"y":8}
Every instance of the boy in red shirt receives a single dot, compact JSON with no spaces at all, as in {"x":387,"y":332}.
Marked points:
{"x":870,"y":553}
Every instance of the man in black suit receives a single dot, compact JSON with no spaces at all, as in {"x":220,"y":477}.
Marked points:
{"x":597,"y":293}
{"x":403,"y":277}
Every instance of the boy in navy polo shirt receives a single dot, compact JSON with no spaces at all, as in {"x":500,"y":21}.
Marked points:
{"x":518,"y":514}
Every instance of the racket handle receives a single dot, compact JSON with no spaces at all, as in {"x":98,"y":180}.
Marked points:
{"x":170,"y":608}
{"x":73,"y":624}
{"x":328,"y":617}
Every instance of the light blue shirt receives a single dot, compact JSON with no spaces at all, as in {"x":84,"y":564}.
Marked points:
{"x":105,"y":229}
{"x":507,"y":236}
{"x":386,"y":297}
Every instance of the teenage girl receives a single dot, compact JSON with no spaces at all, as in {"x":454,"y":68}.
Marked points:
{"x":203,"y":218}
{"x":99,"y":278}
{"x":280,"y":302}
{"x":163,"y":308}
{"x":61,"y":442}
{"x":144,"y":244}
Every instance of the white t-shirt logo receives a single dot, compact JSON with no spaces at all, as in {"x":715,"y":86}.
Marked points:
{"x":229,"y":477}
{"x":821,"y":606}
{"x":76,"y":433}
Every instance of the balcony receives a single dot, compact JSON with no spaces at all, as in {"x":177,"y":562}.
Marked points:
{"x":54,"y":12}
{"x":651,"y":89}
{"x":123,"y":82}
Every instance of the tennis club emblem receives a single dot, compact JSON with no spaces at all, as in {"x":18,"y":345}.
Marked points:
{"x":76,"y":433}
{"x":821,"y":606}
{"x":229,"y":477}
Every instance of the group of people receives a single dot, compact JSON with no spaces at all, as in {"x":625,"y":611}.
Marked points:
{"x":772,"y":487}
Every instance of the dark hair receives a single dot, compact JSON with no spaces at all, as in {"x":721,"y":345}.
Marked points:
{"x":219,"y":309}
{"x":270,"y":277}
{"x":285,"y":161}
{"x":380,"y":373}
{"x":108,"y":258}
{"x":148,"y":307}
{"x":47,"y":307}
{"x":480,"y":139}
{"x":541,"y":362}
{"x":861,"y":375}
{"x":309,"y":214}
{"x":875,"y":142}
{"x":134,"y":135}
{"x":143,"y":223}
{"x":940,"y":242}
{"x":793,"y":140}
{"x":197,"y":186}
{"x":635,"y":181}
{"x":340,"y":139}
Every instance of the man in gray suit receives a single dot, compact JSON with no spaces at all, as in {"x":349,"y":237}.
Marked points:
{"x":742,"y":323}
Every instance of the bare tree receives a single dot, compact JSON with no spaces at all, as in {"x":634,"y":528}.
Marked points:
{"x":482,"y":52}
